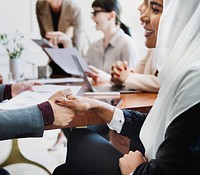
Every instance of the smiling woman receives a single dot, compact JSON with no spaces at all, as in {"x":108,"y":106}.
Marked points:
{"x":151,"y":24}
{"x":170,"y":134}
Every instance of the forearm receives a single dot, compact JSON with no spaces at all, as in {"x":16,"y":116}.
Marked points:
{"x":20,"y":123}
{"x":102,"y":110}
{"x":143,"y":82}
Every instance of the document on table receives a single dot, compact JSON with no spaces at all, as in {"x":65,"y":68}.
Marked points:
{"x":57,"y":80}
{"x":38,"y":95}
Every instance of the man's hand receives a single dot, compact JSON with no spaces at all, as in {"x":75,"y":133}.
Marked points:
{"x":62,"y":115}
{"x":21,"y":87}
{"x":82,"y":105}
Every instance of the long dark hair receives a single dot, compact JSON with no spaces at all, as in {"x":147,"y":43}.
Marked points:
{"x":109,"y":6}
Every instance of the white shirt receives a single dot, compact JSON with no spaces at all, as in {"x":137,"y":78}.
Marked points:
{"x":117,"y":121}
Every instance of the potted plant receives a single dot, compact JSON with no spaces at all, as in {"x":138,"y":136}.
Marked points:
{"x":14,"y":48}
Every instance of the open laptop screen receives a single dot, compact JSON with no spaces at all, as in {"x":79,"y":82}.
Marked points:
{"x":87,"y":86}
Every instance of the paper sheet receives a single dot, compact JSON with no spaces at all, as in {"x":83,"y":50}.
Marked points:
{"x":57,"y":80}
{"x":38,"y":95}
{"x":63,"y":58}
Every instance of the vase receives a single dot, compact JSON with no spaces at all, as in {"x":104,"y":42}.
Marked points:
{"x":15,"y":69}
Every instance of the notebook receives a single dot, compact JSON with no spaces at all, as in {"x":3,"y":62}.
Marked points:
{"x":62,"y":57}
{"x":90,"y":88}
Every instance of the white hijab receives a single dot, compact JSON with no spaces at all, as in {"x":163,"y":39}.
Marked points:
{"x":177,"y":56}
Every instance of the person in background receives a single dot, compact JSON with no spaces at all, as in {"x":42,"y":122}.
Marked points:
{"x":116,"y":43}
{"x":170,"y":134}
{"x":61,"y":22}
{"x":143,"y":77}
{"x":30,"y":121}
{"x":58,"y":18}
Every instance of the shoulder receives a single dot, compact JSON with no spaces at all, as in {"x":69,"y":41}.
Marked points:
{"x":71,"y":4}
{"x":41,"y":5}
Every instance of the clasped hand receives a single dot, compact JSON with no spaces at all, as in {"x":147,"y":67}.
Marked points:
{"x":129,"y":162}
{"x":120,"y":72}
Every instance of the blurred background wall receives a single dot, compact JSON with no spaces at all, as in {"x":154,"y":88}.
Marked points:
{"x":20,"y":15}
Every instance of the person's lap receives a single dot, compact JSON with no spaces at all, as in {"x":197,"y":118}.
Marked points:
{"x":89,"y":153}
{"x":4,"y":172}
{"x":101,"y":129}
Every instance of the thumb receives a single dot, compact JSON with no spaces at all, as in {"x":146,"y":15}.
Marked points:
{"x":60,"y":101}
{"x":93,"y":68}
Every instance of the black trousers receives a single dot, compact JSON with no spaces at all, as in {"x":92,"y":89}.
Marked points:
{"x":4,"y":172}
{"x":89,"y":153}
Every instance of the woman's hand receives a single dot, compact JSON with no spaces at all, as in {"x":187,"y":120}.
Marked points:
{"x":59,"y":38}
{"x":62,"y":115}
{"x":17,"y":88}
{"x":120,"y":72}
{"x":82,"y":105}
{"x":129,"y":162}
{"x":79,"y":104}
{"x":98,"y":75}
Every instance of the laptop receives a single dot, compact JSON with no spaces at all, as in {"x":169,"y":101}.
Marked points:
{"x":90,"y":88}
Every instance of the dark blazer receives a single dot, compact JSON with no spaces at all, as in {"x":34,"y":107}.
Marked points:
{"x":179,"y":153}
{"x":20,"y":123}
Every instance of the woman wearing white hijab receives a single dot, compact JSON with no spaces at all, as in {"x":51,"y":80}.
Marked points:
{"x":171,"y":133}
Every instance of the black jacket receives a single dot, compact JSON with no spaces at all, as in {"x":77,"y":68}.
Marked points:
{"x":179,"y":153}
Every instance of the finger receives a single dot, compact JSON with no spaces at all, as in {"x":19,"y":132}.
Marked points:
{"x":125,"y":65}
{"x":116,"y":72}
{"x":119,"y":66}
{"x":113,"y":66}
{"x":67,"y":92}
{"x":61,"y":101}
{"x":138,"y":152}
{"x":65,"y":101}
{"x":55,"y":40}
{"x":36,"y":83}
{"x":49,"y":35}
{"x":94,"y":69}
{"x":119,"y":63}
